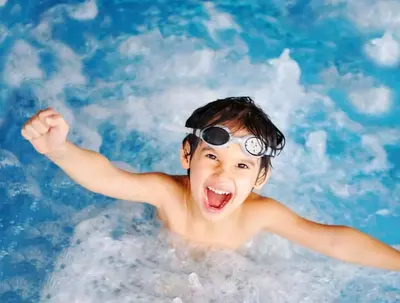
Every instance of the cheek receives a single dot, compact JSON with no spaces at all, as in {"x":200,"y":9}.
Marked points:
{"x":201,"y":166}
{"x":245,"y":184}
{"x":198,"y":173}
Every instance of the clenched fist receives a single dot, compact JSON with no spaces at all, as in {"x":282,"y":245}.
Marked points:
{"x":47,"y":131}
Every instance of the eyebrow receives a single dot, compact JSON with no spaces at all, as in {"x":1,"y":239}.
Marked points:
{"x":245,"y":161}
{"x":207,"y":148}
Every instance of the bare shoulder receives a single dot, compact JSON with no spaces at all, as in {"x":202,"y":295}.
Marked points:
{"x":155,"y":188}
{"x":173,"y":188}
{"x":172,"y":198}
{"x":261,"y":212}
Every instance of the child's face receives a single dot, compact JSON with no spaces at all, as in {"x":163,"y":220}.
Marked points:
{"x":221,"y":178}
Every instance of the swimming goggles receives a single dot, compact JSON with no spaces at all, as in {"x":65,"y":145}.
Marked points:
{"x":220,"y":136}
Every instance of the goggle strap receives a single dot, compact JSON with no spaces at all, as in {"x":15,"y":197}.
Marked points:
{"x":180,"y":129}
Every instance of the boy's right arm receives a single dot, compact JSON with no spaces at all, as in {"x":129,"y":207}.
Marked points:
{"x":47,"y":132}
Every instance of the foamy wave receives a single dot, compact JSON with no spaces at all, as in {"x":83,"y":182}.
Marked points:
{"x":110,"y":260}
{"x":133,"y":46}
{"x":218,"y":20}
{"x":85,"y":11}
{"x":364,"y":92}
{"x":384,"y":51}
{"x":22,"y":64}
{"x":372,"y":101}
{"x":383,"y":212}
{"x":7,"y":158}
{"x":3,"y":33}
{"x":316,"y":143}
{"x":370,"y":14}
{"x":3,"y":3}
{"x":379,"y":161}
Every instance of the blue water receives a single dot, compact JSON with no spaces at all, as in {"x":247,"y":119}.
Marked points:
{"x":327,"y":72}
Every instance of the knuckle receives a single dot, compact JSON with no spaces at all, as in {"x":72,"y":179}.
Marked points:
{"x":35,"y":122}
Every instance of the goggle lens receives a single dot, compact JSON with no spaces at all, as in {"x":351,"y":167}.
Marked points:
{"x":216,"y":136}
{"x":255,"y":146}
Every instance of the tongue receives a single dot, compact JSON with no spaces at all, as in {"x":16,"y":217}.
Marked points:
{"x":214,"y":199}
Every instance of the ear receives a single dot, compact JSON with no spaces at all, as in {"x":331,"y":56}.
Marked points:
{"x":260,"y":182}
{"x":184,"y":155}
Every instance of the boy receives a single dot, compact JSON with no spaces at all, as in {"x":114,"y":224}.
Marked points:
{"x":227,"y":154}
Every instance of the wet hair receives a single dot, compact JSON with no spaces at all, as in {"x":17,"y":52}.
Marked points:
{"x":237,"y":113}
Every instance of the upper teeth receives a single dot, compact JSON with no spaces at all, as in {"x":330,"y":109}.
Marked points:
{"x":217,"y":191}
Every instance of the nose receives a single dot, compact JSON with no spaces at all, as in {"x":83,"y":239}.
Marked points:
{"x":222,"y":171}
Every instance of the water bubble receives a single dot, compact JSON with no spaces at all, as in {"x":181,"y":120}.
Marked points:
{"x":194,"y":280}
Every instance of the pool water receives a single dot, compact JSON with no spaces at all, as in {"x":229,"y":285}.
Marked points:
{"x":325,"y":71}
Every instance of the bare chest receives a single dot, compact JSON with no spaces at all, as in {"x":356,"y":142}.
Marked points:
{"x":228,"y":236}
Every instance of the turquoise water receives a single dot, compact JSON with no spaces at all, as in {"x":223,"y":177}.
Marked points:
{"x":327,"y":73}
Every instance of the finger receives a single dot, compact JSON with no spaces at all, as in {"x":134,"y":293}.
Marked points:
{"x":39,"y":126}
{"x":46,"y":113}
{"x":55,"y":120}
{"x":25,"y":134}
{"x":31,"y":131}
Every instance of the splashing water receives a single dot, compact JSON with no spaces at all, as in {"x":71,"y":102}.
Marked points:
{"x":326,"y":73}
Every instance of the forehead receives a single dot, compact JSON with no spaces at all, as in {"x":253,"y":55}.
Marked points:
{"x":236,"y":129}
{"x":240,"y":132}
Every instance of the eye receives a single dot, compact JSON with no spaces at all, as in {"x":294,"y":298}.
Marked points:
{"x":211,"y":156}
{"x":243,"y":166}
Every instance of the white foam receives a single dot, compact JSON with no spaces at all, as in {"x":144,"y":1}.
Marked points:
{"x":68,"y":73}
{"x":341,"y":190}
{"x":368,"y":96}
{"x":145,"y":268}
{"x":91,"y":139}
{"x":383,"y":212}
{"x":379,"y":162}
{"x":42,"y":32}
{"x":7,"y":158}
{"x":316,"y":143}
{"x":132,"y":46}
{"x":372,"y":101}
{"x":371,"y":14}
{"x":218,"y":20}
{"x":185,"y":87}
{"x":3,"y":3}
{"x":384,"y":51}
{"x":22,"y":64}
{"x":85,"y":11}
{"x":70,"y":70}
{"x":3,"y":33}
{"x":387,"y":136}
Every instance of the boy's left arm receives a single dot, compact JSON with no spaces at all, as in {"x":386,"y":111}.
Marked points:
{"x":341,"y":242}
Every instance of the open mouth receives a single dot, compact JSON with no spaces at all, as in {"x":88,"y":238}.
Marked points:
{"x":216,"y":199}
